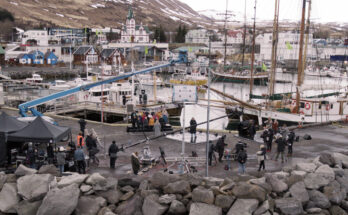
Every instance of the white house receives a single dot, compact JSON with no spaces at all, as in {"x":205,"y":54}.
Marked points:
{"x":35,"y":37}
{"x":197,"y":36}
{"x":288,"y":46}
{"x":131,"y":32}
{"x":233,"y":36}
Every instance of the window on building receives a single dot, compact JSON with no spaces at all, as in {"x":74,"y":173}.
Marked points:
{"x":140,"y":38}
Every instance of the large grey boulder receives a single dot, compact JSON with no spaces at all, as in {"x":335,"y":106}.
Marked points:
{"x":33,"y":187}
{"x":277,"y":185}
{"x":85,"y":188}
{"x":23,"y":170}
{"x":243,"y":207}
{"x":248,"y":191}
{"x":343,"y":181}
{"x":167,"y":199}
{"x":151,"y":207}
{"x":212,"y":181}
{"x":95,"y":179}
{"x":262,"y":183}
{"x":111,"y":183}
{"x":49,"y":169}
{"x":203,"y":195}
{"x":327,"y":158}
{"x":28,"y":208}
{"x":289,"y":206}
{"x":326,"y":172}
{"x":72,"y":179}
{"x":88,"y":205}
{"x":112,"y":196}
{"x":127,"y":196}
{"x":179,"y":187}
{"x":161,"y":179}
{"x":224,"y":201}
{"x":131,"y":207}
{"x":60,"y":201}
{"x":296,"y":176}
{"x":298,"y":191}
{"x":307,"y":167}
{"x":106,"y":211}
{"x":344,"y":205}
{"x":340,"y":159}
{"x":319,"y":199}
{"x":8,"y":198}
{"x":177,"y":208}
{"x":202,"y":208}
{"x":3,"y":178}
{"x":315,"y":181}
{"x":262,"y":209}
{"x":337,"y":210}
{"x":334,"y":192}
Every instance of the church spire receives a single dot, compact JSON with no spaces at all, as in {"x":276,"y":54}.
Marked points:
{"x":130,"y":13}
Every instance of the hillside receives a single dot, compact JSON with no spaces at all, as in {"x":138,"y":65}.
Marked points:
{"x":103,"y":13}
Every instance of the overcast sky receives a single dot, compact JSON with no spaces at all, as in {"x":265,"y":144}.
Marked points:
{"x":322,"y":10}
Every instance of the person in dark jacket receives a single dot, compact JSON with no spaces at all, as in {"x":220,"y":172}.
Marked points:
{"x":193,"y":130}
{"x":80,"y":160}
{"x":82,"y":123}
{"x":50,"y":153}
{"x":261,"y":157}
{"x":242,"y":159}
{"x":211,"y":153}
{"x":290,"y":141}
{"x":280,"y":147}
{"x":252,"y":129}
{"x":113,"y":149}
{"x":31,"y":156}
{"x":124,"y":100}
{"x":134,"y":119}
{"x":270,"y":139}
{"x":135,"y":163}
{"x":163,"y":156}
{"x":220,"y":147}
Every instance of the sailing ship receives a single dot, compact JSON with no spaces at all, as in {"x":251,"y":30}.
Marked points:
{"x":292,"y":109}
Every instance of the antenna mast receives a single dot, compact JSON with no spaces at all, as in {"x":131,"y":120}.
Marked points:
{"x":274,"y":49}
{"x":253,"y":54}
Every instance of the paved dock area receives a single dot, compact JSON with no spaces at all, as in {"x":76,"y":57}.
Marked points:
{"x":333,"y":138}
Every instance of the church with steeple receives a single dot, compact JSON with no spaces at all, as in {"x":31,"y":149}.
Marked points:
{"x":131,"y":32}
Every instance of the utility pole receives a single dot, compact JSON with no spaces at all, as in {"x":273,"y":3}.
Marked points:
{"x":300,"y":59}
{"x":208,"y":114}
{"x":274,"y":50}
{"x":253,"y":54}
{"x":226,"y":15}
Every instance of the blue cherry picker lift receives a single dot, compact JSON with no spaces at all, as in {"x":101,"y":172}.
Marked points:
{"x":30,"y":106}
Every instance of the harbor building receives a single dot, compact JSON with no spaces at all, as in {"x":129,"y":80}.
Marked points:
{"x":132,"y":33}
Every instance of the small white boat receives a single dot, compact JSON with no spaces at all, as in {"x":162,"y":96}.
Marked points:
{"x":333,"y":72}
{"x":36,"y":78}
{"x":310,"y":71}
{"x":60,"y":85}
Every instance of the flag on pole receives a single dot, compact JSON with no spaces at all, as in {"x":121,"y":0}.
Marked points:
{"x":189,"y":49}
{"x":288,"y":46}
{"x":264,"y":67}
{"x":146,"y":50}
{"x":154,"y":41}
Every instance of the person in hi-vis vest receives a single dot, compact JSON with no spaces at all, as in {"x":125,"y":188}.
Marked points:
{"x":80,"y":140}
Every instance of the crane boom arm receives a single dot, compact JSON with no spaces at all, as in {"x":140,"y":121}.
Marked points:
{"x":25,"y":107}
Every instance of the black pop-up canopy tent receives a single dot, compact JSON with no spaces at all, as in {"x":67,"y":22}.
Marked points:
{"x":40,"y":131}
{"x":8,"y":124}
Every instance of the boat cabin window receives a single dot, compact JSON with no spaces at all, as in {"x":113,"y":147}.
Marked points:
{"x":302,"y":105}
{"x":331,"y":106}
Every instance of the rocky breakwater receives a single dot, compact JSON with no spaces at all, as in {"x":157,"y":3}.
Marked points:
{"x":318,"y":186}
